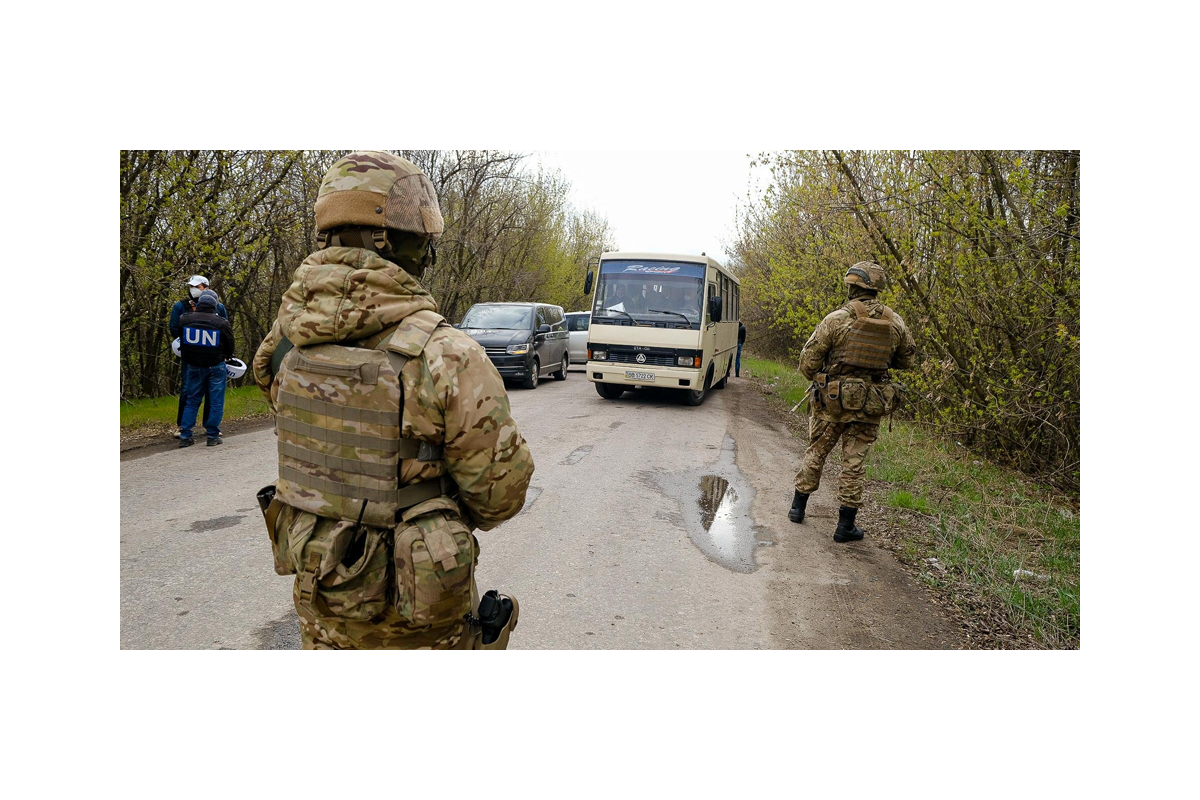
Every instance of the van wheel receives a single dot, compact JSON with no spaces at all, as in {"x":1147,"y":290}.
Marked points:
{"x":561,"y":375}
{"x":530,"y":381}
{"x":610,"y":391}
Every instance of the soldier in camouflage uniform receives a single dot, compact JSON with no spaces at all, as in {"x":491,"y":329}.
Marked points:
{"x":847,"y":358}
{"x":395,"y":437}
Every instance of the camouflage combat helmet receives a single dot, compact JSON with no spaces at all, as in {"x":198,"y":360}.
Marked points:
{"x":867,"y":275}
{"x":374,"y":189}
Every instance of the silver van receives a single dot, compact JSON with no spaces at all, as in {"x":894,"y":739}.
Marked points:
{"x":577,"y":329}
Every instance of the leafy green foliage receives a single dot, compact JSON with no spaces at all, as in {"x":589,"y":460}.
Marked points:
{"x":982,"y":250}
{"x":244,"y":219}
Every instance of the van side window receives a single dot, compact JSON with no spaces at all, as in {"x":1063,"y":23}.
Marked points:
{"x":556,"y":318}
{"x":541,"y":316}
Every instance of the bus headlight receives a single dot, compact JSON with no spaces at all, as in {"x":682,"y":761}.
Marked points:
{"x":688,"y":361}
{"x":598,"y":355}
{"x":518,"y":349}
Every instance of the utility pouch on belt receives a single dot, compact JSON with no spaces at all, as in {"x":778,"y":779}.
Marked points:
{"x":882,"y":398}
{"x":342,"y":567}
{"x":854,"y":394}
{"x":435,"y":556}
{"x":818,"y":387}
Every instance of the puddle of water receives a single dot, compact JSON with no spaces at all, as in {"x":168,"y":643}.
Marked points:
{"x":216,"y":523}
{"x":718,"y":521}
{"x":577,"y":455}
{"x":727,"y":538}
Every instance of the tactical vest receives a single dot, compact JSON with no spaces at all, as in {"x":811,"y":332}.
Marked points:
{"x":339,"y":414}
{"x":868,"y":341}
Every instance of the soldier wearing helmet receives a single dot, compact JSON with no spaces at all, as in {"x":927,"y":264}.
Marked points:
{"x":848,"y":358}
{"x":395,"y":437}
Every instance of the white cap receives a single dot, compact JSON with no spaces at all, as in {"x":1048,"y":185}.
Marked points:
{"x":196,"y":280}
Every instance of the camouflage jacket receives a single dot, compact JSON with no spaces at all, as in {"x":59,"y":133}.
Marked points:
{"x":452,"y":395}
{"x":831,"y":331}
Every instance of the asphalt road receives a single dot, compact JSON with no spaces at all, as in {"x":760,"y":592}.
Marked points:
{"x":648,"y":524}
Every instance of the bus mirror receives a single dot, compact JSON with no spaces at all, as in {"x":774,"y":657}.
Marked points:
{"x":714,"y":309}
{"x":587,"y":284}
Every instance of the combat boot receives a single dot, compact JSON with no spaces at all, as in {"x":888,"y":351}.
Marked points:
{"x":799,"y":503}
{"x":847,"y":531}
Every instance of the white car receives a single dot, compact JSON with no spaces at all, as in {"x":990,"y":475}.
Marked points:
{"x":577,"y":329}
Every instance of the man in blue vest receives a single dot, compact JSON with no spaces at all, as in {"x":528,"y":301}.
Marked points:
{"x":197,"y":284}
{"x":205,"y":341}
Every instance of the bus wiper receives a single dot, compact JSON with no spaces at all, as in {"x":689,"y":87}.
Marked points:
{"x":615,"y":311}
{"x":676,"y":313}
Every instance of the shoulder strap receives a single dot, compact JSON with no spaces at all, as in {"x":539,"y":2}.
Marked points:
{"x":859,"y":309}
{"x":281,"y":350}
{"x":406,"y":342}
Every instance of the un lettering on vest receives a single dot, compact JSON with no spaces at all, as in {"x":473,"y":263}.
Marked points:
{"x":202,"y":337}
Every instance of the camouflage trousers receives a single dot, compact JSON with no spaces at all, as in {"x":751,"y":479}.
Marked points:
{"x":823,"y":436}
{"x":385,"y":631}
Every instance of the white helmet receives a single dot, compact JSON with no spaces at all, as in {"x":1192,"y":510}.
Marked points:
{"x":175,"y":348}
{"x":235,"y":367}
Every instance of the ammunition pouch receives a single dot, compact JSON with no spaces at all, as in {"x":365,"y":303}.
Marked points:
{"x":819,"y":382}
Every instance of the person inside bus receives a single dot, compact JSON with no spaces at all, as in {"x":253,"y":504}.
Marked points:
{"x":691,"y":300}
{"x":636,"y":304}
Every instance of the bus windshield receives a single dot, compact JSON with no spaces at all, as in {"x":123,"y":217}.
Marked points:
{"x":664,"y":291}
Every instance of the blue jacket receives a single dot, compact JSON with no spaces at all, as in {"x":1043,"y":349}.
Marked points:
{"x":182,"y":307}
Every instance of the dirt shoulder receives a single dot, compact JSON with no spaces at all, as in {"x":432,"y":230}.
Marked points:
{"x":825,"y":595}
{"x":149,"y":439}
{"x":907,"y":536}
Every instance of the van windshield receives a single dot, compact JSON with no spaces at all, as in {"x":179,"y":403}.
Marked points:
{"x":513,"y":318}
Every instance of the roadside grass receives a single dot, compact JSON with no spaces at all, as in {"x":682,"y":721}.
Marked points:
{"x":155,"y":412}
{"x":1003,"y":548}
{"x":997,"y":536}
{"x":785,"y":382}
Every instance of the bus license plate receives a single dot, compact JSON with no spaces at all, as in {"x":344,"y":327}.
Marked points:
{"x":639,"y":376}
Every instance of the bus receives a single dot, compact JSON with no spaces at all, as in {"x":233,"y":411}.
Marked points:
{"x":662,"y":320}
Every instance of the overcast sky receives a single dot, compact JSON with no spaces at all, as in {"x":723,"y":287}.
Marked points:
{"x":674,"y":201}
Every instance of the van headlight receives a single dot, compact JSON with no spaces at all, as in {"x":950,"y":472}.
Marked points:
{"x":598,"y":355}
{"x":518,"y":349}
